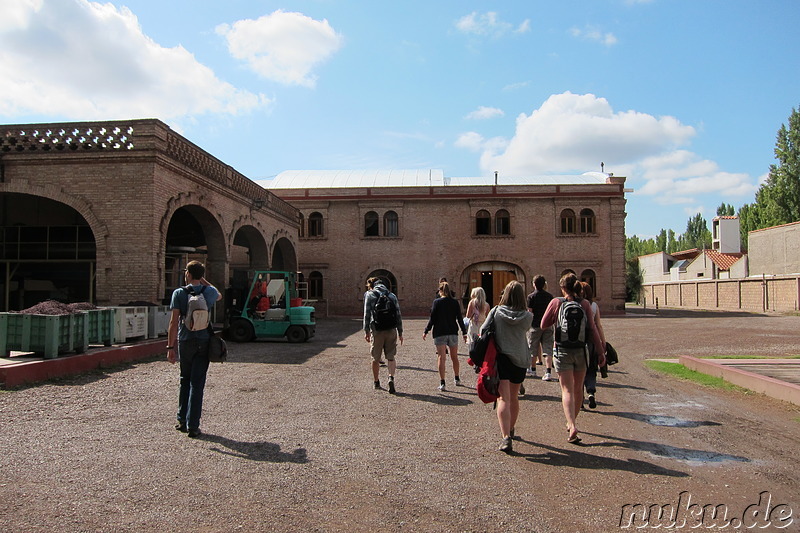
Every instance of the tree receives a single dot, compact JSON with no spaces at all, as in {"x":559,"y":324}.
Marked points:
{"x":697,"y":234}
{"x":725,"y":210}
{"x":634,"y":280}
{"x":780,"y":195}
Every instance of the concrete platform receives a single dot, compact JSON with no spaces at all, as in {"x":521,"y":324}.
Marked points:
{"x":22,"y":369}
{"x":777,"y":378}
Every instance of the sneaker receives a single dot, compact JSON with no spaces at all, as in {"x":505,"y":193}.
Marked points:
{"x":547,"y":377}
{"x":441,"y":387}
{"x":181,"y":426}
{"x":194,"y":433}
{"x":391,"y":387}
{"x":506,"y":445}
{"x":522,"y":390}
{"x":377,"y":385}
{"x":531,"y":372}
{"x":457,"y":381}
{"x":592,"y":402}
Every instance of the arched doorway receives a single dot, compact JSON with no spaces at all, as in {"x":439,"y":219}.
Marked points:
{"x":47,"y":251}
{"x":388,"y":277}
{"x":193,"y":234}
{"x":284,"y":256}
{"x":492,"y":276}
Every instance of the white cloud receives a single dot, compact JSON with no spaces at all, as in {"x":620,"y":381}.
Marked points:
{"x":483,"y":113}
{"x":489,"y":24}
{"x":573,"y":134}
{"x":471,"y":141}
{"x":282,"y":46}
{"x":85,"y":60}
{"x":593,"y":34}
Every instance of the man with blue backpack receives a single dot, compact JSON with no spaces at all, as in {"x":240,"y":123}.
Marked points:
{"x":187,"y":343}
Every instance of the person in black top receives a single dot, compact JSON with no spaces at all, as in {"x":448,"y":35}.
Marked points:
{"x":446,"y":320}
{"x":538,"y":301}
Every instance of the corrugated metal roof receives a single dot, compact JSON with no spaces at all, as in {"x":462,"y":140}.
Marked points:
{"x":327,"y":179}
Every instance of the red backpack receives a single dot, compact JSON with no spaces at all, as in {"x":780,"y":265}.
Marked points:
{"x":488,"y":379}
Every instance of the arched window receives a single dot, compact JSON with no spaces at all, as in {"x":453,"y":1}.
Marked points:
{"x":588,"y":276}
{"x":315,"y":228}
{"x":565,"y":272}
{"x":388,"y":278}
{"x":302,"y":225}
{"x":390,"y":224}
{"x":315,"y":285}
{"x":587,"y":222}
{"x":567,"y":221}
{"x":483,"y":223}
{"x":371,"y":224}
{"x":502,"y":223}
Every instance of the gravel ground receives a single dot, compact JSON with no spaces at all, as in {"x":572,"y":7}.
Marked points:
{"x":295,"y":439}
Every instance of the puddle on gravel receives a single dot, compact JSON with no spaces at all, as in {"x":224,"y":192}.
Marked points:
{"x":671,"y":421}
{"x":697,"y":457}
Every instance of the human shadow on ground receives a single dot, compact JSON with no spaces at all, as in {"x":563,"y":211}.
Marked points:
{"x":576,"y":458}
{"x":670,"y":452}
{"x":439,"y":399}
{"x":661,"y":420}
{"x":255,"y":451}
{"x":416,"y":368}
{"x":602,"y":384}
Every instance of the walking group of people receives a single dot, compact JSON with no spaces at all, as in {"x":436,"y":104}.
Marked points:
{"x":563,"y":333}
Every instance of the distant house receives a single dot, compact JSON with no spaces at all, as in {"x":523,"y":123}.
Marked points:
{"x":775,"y":250}
{"x":724,"y":261}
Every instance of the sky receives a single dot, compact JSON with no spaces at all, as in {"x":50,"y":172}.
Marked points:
{"x":682,"y":97}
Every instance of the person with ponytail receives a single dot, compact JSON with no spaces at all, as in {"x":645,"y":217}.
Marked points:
{"x":571,"y":362}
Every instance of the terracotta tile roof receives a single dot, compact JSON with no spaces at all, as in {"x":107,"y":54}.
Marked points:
{"x":773,"y":227}
{"x":723,"y":261}
{"x":686,"y":254}
{"x":725,"y":217}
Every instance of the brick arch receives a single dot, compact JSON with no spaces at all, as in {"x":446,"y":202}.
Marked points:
{"x":283,"y":243}
{"x":216,"y":239}
{"x":254,"y":232}
{"x":84,"y":208}
{"x":364,"y":274}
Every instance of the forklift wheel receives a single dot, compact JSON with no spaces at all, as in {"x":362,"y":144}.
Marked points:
{"x":241,"y":331}
{"x":296,"y":334}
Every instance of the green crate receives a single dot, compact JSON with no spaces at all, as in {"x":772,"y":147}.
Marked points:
{"x":101,"y":326}
{"x":47,"y":335}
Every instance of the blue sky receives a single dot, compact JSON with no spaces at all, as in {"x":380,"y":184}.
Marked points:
{"x":684,"y":97}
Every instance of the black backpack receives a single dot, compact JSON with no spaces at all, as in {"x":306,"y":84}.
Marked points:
{"x":384,"y":315}
{"x":571,"y":327}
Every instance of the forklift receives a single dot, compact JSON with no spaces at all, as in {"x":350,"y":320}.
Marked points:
{"x":271,"y":309}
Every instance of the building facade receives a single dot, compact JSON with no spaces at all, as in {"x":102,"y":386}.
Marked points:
{"x":414,"y":227}
{"x":110,"y":212}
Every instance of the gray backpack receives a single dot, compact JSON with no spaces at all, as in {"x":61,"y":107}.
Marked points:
{"x":571,"y":324}
{"x":196,"y":318}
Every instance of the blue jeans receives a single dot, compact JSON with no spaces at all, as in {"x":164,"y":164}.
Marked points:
{"x":194,"y":367}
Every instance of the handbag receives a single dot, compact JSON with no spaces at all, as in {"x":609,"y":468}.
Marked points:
{"x":477,"y":353}
{"x":611,"y":355}
{"x":217,"y":348}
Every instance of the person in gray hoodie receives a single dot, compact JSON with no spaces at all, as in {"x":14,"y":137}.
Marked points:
{"x":511,"y":323}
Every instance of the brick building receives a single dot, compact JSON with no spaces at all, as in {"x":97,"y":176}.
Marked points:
{"x":414,"y":227}
{"x":110,"y":212}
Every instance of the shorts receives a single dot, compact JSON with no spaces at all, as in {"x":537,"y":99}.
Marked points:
{"x":566,"y":359}
{"x":541,"y":336}
{"x":445,"y":340}
{"x":383,"y":342}
{"x":508,"y":370}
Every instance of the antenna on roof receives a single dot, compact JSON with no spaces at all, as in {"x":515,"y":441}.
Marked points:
{"x":602,"y":165}
{"x":495,"y":177}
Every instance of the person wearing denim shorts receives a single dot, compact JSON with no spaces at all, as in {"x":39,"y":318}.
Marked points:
{"x":445,"y":321}
{"x":571,"y":363}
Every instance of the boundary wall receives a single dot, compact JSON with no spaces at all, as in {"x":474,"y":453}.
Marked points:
{"x":766,"y":293}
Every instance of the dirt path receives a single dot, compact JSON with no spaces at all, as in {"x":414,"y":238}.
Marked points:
{"x":296,"y":440}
